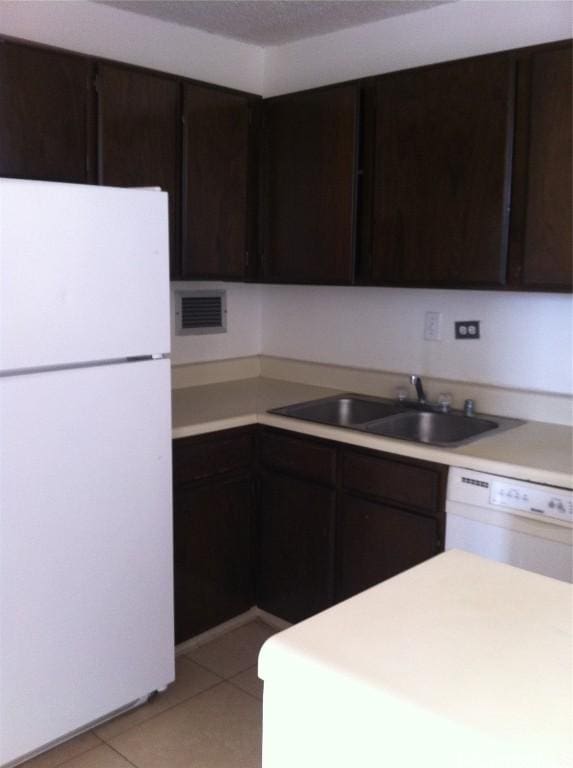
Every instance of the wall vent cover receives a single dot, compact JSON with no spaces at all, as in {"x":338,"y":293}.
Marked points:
{"x":200,"y":312}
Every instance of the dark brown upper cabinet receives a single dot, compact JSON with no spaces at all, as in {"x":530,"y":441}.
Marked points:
{"x":443,"y":148}
{"x":454,"y":175}
{"x":309,"y":186}
{"x":543,"y":247}
{"x":138,"y":135}
{"x":217,"y":184}
{"x":45,"y":114}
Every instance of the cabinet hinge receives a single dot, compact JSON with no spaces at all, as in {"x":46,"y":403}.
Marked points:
{"x":96,"y":82}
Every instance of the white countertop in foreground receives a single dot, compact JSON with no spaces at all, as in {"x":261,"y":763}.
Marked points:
{"x":458,"y":662}
{"x":536,"y":451}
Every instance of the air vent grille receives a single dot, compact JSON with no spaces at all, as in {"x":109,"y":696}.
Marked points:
{"x":200,"y":312}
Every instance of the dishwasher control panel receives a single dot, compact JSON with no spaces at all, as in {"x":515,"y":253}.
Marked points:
{"x":556,"y":503}
{"x":520,"y":497}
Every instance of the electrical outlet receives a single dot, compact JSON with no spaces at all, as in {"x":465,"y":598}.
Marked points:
{"x":467,"y":329}
{"x":433,"y":326}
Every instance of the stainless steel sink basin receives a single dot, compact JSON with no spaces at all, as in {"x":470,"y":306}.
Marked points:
{"x":432,"y":428}
{"x":416,"y":422}
{"x":345,"y":411}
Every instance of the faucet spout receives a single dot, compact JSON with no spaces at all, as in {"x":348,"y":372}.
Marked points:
{"x":417,"y":382}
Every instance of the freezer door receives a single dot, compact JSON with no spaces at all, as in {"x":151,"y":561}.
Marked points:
{"x":86,"y":579}
{"x":84,"y":274}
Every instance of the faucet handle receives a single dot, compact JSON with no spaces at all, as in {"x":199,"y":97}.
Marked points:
{"x":401,"y":394}
{"x":445,"y":402}
{"x":469,"y":407}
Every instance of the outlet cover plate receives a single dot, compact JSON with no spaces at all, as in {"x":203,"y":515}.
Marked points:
{"x":467,"y":329}
{"x":433,"y":326}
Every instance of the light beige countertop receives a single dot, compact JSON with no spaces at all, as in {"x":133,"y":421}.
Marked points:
{"x":456,"y":662}
{"x":537,"y":451}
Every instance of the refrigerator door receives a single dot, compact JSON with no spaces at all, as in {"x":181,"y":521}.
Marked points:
{"x":86,"y":577}
{"x":84,"y":274}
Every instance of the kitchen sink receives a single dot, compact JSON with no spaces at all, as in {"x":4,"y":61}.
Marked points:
{"x":344,"y":411}
{"x":432,"y":428}
{"x":410,"y":420}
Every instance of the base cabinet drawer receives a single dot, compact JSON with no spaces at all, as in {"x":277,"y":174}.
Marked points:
{"x":298,"y":455}
{"x":204,"y":456}
{"x":415,"y":485}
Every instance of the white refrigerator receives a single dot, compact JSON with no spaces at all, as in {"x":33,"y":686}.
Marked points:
{"x":86,"y":582}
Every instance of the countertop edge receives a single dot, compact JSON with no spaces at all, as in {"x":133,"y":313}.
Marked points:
{"x":382,"y":444}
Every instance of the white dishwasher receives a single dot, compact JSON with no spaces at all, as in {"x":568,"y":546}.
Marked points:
{"x":511,"y":521}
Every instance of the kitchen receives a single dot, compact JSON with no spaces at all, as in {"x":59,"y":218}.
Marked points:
{"x":290,"y":343}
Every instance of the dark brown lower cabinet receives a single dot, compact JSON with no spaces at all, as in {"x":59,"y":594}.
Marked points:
{"x":377,"y":541}
{"x":213,"y":551}
{"x":295,"y":546}
{"x":327,"y":521}
{"x":391,"y":516}
{"x":213,"y":529}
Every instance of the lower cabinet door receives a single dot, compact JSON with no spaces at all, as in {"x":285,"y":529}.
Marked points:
{"x":377,"y":541}
{"x":296,"y":547}
{"x":213,"y":546}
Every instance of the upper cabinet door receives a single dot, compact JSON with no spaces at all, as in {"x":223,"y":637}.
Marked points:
{"x":45,"y":99}
{"x":547,"y":244}
{"x":215,"y":183}
{"x":443,"y":165}
{"x":310,"y":158}
{"x":138,"y":135}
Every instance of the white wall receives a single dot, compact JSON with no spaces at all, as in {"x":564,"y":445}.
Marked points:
{"x":526,"y":340}
{"x":243,"y":336}
{"x":104,"y":31}
{"x":455,"y":30}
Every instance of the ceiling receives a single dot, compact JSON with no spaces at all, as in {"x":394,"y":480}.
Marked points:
{"x":271,"y":22}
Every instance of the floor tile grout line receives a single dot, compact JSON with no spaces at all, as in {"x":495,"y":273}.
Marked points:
{"x":127,"y":760}
{"x":221,"y":679}
{"x":157,"y":714}
{"x":248,"y":669}
{"x":208,"y":669}
{"x":73,"y":757}
{"x":238,"y":687}
{"x":186,"y":699}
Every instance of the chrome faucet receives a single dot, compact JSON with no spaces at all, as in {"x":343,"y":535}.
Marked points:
{"x":417,"y":382}
{"x":443,"y":405}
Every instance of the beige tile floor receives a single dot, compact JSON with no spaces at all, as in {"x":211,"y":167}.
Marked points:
{"x":210,"y":717}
